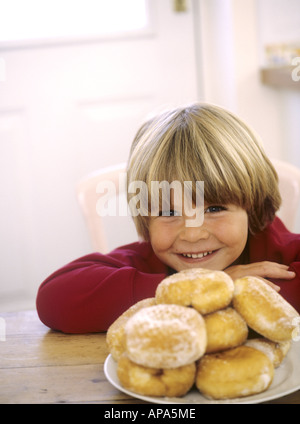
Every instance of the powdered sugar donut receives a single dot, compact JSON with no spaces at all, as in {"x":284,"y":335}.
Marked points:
{"x":205,"y":290}
{"x":264,"y":309}
{"x":115,"y":336}
{"x":155,"y":381}
{"x":165,"y":336}
{"x":275,"y":351}
{"x":225,"y":329}
{"x":237,"y":372}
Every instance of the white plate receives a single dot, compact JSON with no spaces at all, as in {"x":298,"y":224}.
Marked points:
{"x":286,"y":380}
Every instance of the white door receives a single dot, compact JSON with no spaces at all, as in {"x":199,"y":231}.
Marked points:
{"x":69,"y":104}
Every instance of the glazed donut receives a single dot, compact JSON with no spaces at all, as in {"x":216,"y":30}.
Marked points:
{"x":204,"y":290}
{"x":115,"y":336}
{"x":225,"y":329}
{"x":238,"y":372}
{"x":264,"y":310}
{"x":165,"y":336}
{"x":275,"y":351}
{"x":154,"y":381}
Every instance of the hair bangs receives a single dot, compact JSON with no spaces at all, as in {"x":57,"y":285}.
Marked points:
{"x":204,"y":143}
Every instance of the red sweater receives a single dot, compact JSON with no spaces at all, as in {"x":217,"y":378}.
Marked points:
{"x":88,"y":294}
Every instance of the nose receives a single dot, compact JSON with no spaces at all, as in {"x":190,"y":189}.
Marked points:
{"x":193,"y":234}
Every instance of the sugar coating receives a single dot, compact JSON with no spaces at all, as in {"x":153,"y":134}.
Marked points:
{"x":263,"y":382}
{"x":267,"y":348}
{"x":205,"y":290}
{"x":169,"y":334}
{"x":156,"y":382}
{"x":225,"y":329}
{"x":264,"y":309}
{"x":115,"y":336}
{"x":165,"y":336}
{"x":236,"y":372}
{"x":198,"y":273}
{"x":276,"y":352}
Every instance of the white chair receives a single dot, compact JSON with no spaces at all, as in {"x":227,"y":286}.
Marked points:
{"x":289,"y":186}
{"x":103,"y":229}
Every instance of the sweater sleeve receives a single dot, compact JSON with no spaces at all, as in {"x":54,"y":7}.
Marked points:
{"x":88,"y":294}
{"x":277,"y":244}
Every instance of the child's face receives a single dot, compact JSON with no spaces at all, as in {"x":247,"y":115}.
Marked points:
{"x":215,"y":245}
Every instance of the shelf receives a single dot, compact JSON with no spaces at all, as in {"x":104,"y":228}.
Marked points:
{"x":280,"y":77}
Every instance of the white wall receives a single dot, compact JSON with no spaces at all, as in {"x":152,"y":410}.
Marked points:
{"x":229,"y":32}
{"x":232,"y":35}
{"x":279,"y":23}
{"x":67,"y":109}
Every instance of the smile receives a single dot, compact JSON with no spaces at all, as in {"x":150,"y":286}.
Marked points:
{"x":196,"y":255}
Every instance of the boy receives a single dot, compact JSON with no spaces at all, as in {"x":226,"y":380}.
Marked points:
{"x":238,"y":233}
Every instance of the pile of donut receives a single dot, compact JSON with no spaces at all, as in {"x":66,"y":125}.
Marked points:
{"x":196,"y":332}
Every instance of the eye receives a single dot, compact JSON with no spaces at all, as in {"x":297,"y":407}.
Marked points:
{"x":215,"y":209}
{"x":170,"y":212}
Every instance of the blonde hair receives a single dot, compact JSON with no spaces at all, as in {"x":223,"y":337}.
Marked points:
{"x":203,"y":142}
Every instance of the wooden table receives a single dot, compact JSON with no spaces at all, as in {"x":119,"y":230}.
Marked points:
{"x":38,"y":365}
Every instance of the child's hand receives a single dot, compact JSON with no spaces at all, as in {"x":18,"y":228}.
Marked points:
{"x":263,"y":270}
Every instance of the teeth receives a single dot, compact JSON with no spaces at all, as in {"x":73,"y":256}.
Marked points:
{"x":196,"y":255}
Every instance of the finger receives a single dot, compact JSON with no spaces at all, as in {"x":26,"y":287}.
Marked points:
{"x":281,"y":274}
{"x":275,"y":270}
{"x":274,"y":286}
{"x":269,"y":283}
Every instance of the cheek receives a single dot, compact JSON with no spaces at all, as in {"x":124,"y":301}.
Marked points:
{"x":161,"y":238}
{"x":234,"y":232}
{"x":238,"y":232}
{"x":238,"y":239}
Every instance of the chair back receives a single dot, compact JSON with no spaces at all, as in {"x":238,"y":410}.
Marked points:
{"x":289,"y":187}
{"x":106,"y":185}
